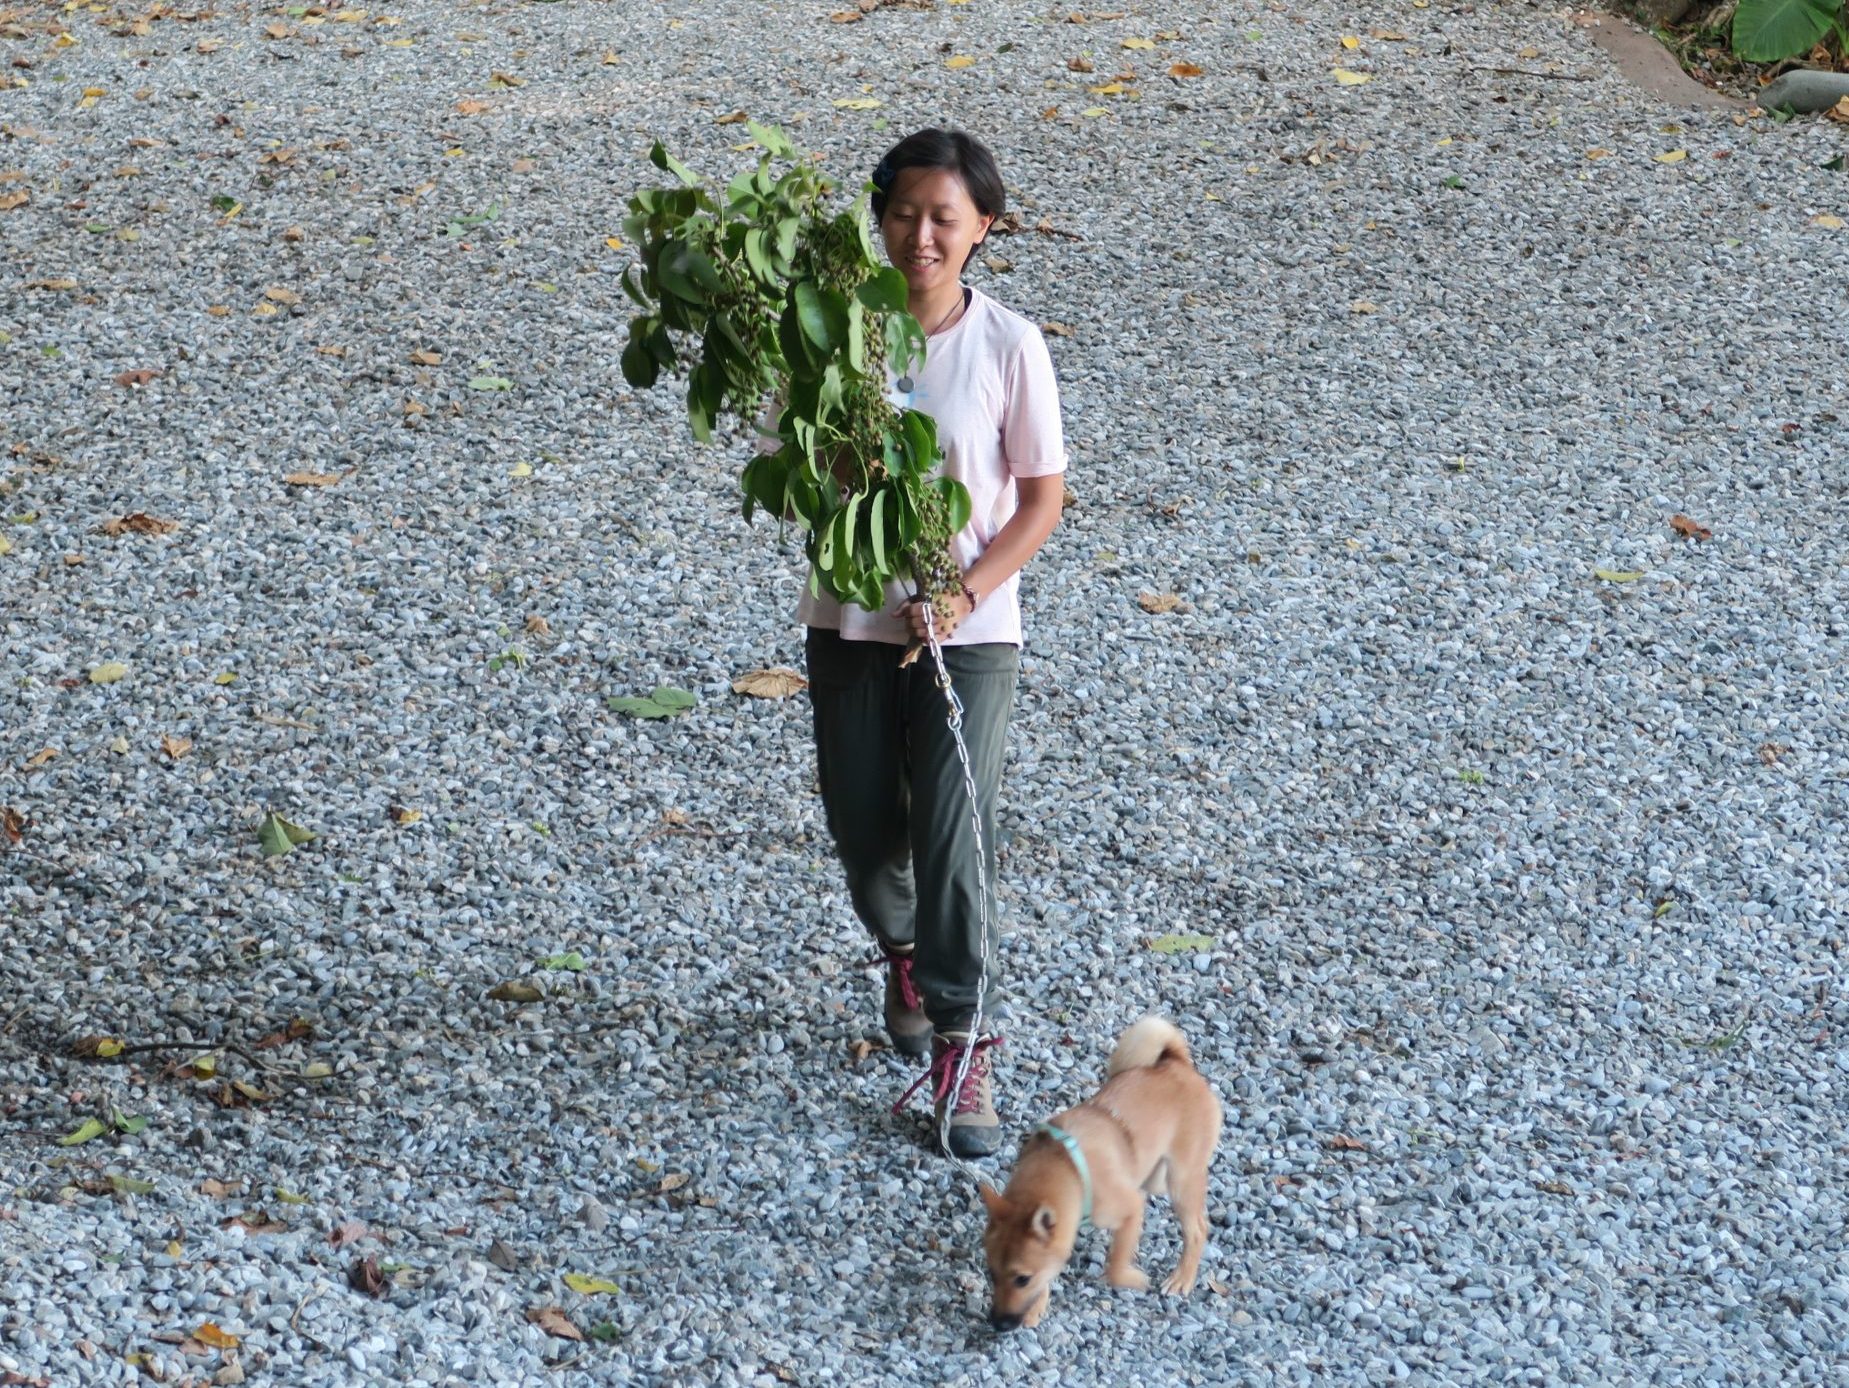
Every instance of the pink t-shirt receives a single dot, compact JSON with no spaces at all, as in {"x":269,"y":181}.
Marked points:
{"x":988,"y":382}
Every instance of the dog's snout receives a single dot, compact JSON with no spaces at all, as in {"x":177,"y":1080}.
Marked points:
{"x":1002,"y":1323}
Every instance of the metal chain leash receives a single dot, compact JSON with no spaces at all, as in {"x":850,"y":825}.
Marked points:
{"x":954,"y":718}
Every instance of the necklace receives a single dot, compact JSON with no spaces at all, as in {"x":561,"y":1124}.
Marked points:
{"x":905,"y":382}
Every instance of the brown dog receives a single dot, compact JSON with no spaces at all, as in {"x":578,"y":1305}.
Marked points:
{"x":1150,"y":1130}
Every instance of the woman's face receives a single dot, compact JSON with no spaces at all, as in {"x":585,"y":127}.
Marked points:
{"x":931,"y":226}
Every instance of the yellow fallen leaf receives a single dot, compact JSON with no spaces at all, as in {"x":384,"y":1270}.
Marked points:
{"x":1139,"y":43}
{"x":960,"y":61}
{"x":1618,"y":575}
{"x":1349,"y":41}
{"x":1109,"y":89}
{"x":1446,"y":141}
{"x":1387,"y":35}
{"x":615,"y":243}
{"x":210,"y":1334}
{"x":858,"y":103}
{"x":108,"y":672}
{"x":218,"y":310}
{"x":1096,"y":111}
{"x":282,"y":296}
{"x":1597,"y":153}
{"x":1352,"y":79}
{"x":521,"y":470}
{"x":1828,"y":220}
{"x":399,"y":43}
{"x":1672,"y":156}
{"x":587,"y":1286}
{"x":227,"y":677}
{"x":265,"y":311}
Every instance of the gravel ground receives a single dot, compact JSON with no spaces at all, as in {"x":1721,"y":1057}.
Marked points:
{"x":1525,"y":888}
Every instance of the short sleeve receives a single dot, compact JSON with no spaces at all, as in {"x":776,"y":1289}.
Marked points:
{"x":1033,"y":440}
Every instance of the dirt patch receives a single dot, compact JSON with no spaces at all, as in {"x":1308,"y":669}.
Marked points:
{"x":1646,"y":63}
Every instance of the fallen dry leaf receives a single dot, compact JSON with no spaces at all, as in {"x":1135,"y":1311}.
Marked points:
{"x":778,"y":683}
{"x":175,"y":747}
{"x":1080,"y":65}
{"x":140,"y":523}
{"x":1341,"y":1142}
{"x":18,"y":198}
{"x":515,"y":991}
{"x":12,"y":824}
{"x":140,"y":376}
{"x":346,"y":1232}
{"x":1158,"y":602}
{"x":278,"y":295}
{"x":311,"y":479}
{"x":218,"y":1190}
{"x":537,"y":625}
{"x":423,"y":357}
{"x":469,"y":106}
{"x":554,"y":1321}
{"x":1682,"y":525}
{"x":255,"y":1222}
{"x":209,"y":1334}
{"x":1057,"y":329}
{"x":40,"y":758}
{"x":1185,"y":70}
{"x":365,"y":1276}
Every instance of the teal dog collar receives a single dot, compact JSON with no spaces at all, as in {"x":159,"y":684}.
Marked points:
{"x":1077,"y":1153}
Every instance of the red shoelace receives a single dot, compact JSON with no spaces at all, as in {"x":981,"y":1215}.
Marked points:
{"x":943,"y":1074}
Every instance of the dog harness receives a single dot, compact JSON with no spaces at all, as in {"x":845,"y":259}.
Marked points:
{"x":1077,"y":1153}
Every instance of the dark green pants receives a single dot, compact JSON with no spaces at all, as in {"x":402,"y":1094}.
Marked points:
{"x":893,"y":790}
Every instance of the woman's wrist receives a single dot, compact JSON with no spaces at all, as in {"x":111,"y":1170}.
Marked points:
{"x":970,"y":594}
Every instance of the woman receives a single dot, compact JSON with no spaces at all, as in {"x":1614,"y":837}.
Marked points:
{"x":892,"y":783}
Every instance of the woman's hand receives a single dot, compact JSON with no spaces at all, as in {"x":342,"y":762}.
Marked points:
{"x":912,"y":612}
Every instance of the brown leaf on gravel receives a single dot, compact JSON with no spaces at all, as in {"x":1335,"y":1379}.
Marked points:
{"x":175,"y":747}
{"x":1185,"y":70}
{"x":1080,"y":65}
{"x":1341,"y":1142}
{"x":423,"y":357}
{"x":364,"y":1276}
{"x":769,"y":684}
{"x":346,"y":1232}
{"x":255,"y":1222}
{"x":311,"y":479}
{"x":554,"y":1321}
{"x":469,"y":106}
{"x":1694,"y":530}
{"x":140,"y":522}
{"x":40,"y":758}
{"x":15,"y":199}
{"x":1057,"y":329}
{"x":1158,"y":602}
{"x":846,"y":17}
{"x":12,"y":824}
{"x":218,"y":1190}
{"x":277,"y":294}
{"x":515,"y":991}
{"x":299,"y":1029}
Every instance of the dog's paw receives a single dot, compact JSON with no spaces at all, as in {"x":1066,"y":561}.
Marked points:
{"x":1177,"y":1285}
{"x":1132,"y":1277}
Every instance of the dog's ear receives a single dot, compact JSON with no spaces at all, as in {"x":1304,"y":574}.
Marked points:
{"x":992,"y":1200}
{"x":1044,"y":1220}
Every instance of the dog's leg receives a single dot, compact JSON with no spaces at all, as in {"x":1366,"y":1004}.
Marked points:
{"x":1188,"y":1195}
{"x":1120,"y":1268}
{"x":1031,"y":1316}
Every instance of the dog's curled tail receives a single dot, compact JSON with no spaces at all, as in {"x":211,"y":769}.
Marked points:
{"x":1148,"y":1042}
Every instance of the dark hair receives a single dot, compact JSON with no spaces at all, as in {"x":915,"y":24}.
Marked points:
{"x":964,"y":155}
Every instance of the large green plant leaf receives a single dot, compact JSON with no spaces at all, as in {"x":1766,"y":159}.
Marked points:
{"x":1768,"y":31}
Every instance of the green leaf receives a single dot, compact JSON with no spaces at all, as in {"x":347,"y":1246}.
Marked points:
{"x":91,"y":1127}
{"x":573,"y":961}
{"x":877,"y":527}
{"x":490,"y":383}
{"x":956,"y":501}
{"x":661,"y":159}
{"x":812,"y":316}
{"x":1175,"y":944}
{"x":606,"y":1332}
{"x":277,"y":835}
{"x":1769,"y":31}
{"x":589,"y":1286}
{"x":639,"y":368}
{"x":129,"y":1125}
{"x":129,"y":1185}
{"x":289,"y":1197}
{"x":669,"y":697}
{"x":884,"y":292}
{"x":663,"y":703}
{"x":1454,"y":181}
{"x":1618,"y":575}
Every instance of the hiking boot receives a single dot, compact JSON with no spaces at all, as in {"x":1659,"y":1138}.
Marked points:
{"x":974,"y":1130}
{"x":906,"y":1022}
